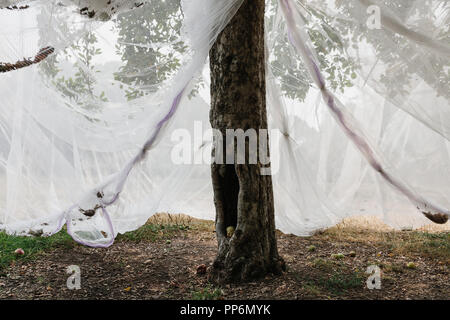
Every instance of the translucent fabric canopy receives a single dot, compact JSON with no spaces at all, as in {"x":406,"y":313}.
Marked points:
{"x":99,"y":100}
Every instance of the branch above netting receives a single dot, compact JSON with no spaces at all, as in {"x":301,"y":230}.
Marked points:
{"x":41,"y":55}
{"x":14,"y":4}
{"x":102,"y":10}
{"x":16,"y":7}
{"x":93,"y":9}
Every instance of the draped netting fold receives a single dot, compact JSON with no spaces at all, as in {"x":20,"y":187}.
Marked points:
{"x":101,"y":98}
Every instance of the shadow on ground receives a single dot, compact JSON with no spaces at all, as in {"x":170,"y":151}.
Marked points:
{"x":159,"y":261}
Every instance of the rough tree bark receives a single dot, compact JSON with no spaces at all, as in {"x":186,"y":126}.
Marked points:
{"x":243,"y":197}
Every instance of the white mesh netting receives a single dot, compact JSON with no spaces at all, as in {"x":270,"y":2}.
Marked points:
{"x":95,"y":94}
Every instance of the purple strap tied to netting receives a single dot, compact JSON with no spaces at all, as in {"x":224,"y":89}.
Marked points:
{"x":125,"y":173}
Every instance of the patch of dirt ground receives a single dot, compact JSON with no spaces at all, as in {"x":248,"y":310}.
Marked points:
{"x":328,"y":265}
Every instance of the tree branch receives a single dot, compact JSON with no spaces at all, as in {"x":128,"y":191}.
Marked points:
{"x":41,"y":55}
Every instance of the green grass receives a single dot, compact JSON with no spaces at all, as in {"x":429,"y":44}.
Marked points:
{"x":153,"y":232}
{"x":32,"y":246}
{"x":431,"y":245}
{"x":324,"y":264}
{"x":334,"y":277}
{"x":208,"y":293}
{"x":338,"y":283}
{"x":312,"y":289}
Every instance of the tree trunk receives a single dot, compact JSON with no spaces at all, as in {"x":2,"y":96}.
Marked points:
{"x":242,"y":195}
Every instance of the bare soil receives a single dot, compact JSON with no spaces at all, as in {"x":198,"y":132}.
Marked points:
{"x":328,"y":265}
